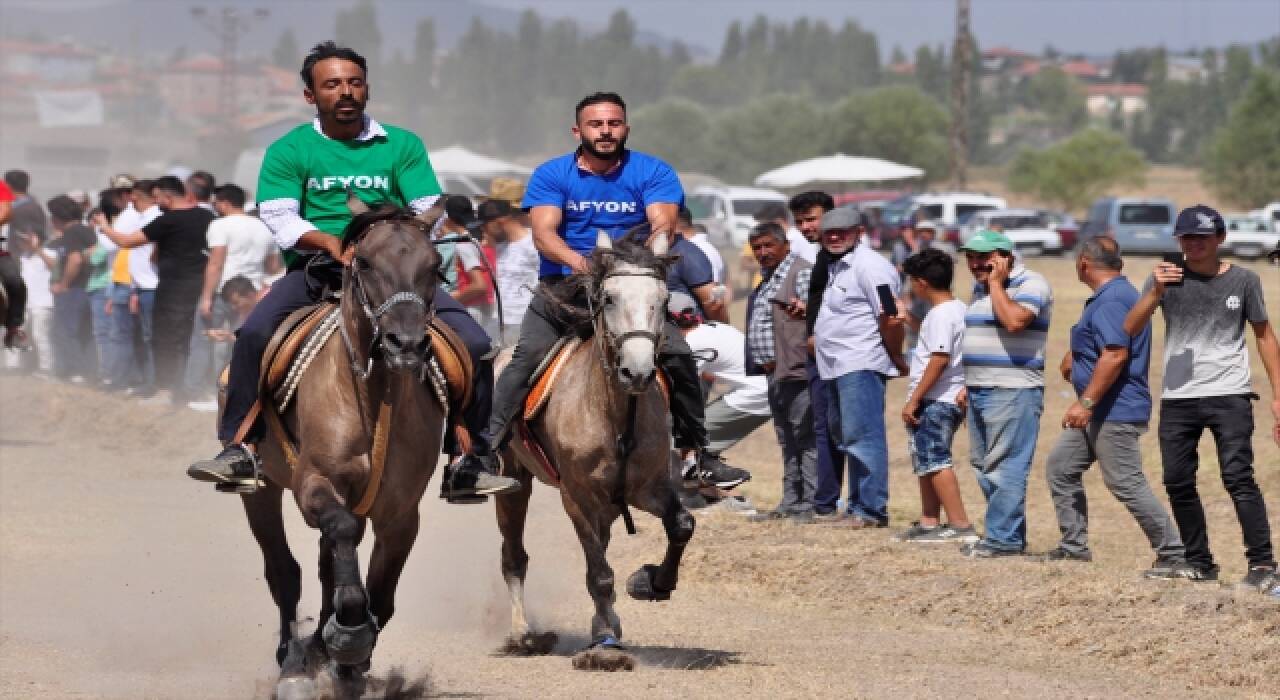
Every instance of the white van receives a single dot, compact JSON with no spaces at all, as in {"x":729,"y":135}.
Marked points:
{"x":952,"y":208}
{"x":728,"y":213}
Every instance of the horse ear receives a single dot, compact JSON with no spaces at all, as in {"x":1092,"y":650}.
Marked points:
{"x":355,"y":204}
{"x":660,"y":245}
{"x":603,"y":240}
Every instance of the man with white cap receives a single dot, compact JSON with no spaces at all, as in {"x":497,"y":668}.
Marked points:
{"x":858,"y":349}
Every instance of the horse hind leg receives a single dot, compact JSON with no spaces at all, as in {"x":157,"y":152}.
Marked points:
{"x":512,"y":511}
{"x":657,"y":582}
{"x":284,"y":577}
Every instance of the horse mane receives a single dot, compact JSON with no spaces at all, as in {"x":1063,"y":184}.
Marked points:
{"x":361,"y":223}
{"x":567,"y":295}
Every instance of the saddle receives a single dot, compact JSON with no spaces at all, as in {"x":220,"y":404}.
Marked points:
{"x":544,"y":379}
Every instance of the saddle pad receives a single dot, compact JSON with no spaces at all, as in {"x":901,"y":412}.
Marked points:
{"x":288,"y":339}
{"x":454,"y":360}
{"x":542,"y":383}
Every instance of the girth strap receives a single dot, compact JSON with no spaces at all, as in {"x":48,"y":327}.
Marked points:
{"x":377,"y":456}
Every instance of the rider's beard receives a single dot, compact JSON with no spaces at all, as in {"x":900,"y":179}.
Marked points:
{"x":589,"y":146}
{"x":348,"y":118}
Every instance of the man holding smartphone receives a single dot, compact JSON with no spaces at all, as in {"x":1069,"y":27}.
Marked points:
{"x":1207,"y":384}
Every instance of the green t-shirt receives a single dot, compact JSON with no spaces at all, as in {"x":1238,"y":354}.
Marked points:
{"x":99,"y":269}
{"x":315,"y":170}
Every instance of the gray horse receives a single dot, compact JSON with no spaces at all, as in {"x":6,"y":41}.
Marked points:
{"x":605,"y":431}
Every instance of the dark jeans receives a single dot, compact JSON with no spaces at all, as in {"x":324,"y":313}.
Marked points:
{"x":294,"y":291}
{"x":830,"y":468}
{"x":1230,"y":421}
{"x":72,"y":337}
{"x":15,"y":290}
{"x":173,"y":318}
{"x":793,"y":423}
{"x":539,"y":332}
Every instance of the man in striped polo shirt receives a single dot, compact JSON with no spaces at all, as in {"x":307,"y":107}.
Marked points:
{"x":1006,"y":326}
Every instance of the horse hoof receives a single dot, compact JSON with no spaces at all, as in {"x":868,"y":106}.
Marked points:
{"x":641,"y":587}
{"x":529,"y":644}
{"x":349,"y":646}
{"x":296,"y":688}
{"x":604,"y":655}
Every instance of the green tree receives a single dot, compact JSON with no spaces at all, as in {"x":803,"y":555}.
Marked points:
{"x":674,"y":129}
{"x":1244,"y":157}
{"x":1058,"y":96}
{"x":286,"y":53}
{"x":1078,"y":170}
{"x":762,"y":134}
{"x":898,"y":123}
{"x":358,"y":28}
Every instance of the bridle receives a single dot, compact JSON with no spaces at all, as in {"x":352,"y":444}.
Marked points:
{"x":608,"y":343}
{"x":374,"y":317}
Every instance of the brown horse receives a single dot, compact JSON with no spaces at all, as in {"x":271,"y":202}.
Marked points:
{"x":372,"y":364}
{"x":605,"y":430}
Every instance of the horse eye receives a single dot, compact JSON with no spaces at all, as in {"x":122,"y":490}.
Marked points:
{"x":361,"y":263}
{"x":608,"y":300}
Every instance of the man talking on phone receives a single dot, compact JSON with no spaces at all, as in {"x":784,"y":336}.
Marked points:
{"x":1207,"y":384}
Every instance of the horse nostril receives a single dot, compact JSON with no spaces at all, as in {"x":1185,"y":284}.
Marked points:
{"x":393,"y":342}
{"x":624,"y":373}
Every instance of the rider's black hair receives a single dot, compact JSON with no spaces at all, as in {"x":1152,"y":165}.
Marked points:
{"x":231,"y":194}
{"x":170,"y":184}
{"x":813,"y":198}
{"x":329,"y":49}
{"x":598,"y":98}
{"x":931,"y":265}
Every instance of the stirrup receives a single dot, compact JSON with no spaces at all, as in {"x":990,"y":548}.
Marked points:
{"x":247,"y":485}
{"x":446,"y":492}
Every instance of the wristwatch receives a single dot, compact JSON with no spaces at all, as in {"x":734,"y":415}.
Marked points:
{"x":1087,"y":403}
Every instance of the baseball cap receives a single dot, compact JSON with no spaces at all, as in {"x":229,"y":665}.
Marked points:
{"x":682,"y":308}
{"x":840,"y":218}
{"x":121,"y":181}
{"x":1199,"y":220}
{"x":459,"y":209}
{"x":494,"y":209}
{"x":986,"y":241}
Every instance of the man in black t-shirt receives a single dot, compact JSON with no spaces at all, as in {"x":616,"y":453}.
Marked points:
{"x":181,"y":254}
{"x":27,"y":215}
{"x":73,"y":354}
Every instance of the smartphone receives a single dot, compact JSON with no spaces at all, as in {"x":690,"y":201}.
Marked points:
{"x":887,"y":303}
{"x":1176,"y":259}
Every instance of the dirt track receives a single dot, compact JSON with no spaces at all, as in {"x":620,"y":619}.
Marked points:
{"x":121,"y":578}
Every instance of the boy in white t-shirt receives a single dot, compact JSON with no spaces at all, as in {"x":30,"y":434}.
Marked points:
{"x":935,"y":403}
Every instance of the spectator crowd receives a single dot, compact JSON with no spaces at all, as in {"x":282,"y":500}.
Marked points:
{"x":140,"y":293}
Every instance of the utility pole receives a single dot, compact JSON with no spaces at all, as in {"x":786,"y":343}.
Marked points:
{"x":227,"y":26}
{"x":960,"y":68}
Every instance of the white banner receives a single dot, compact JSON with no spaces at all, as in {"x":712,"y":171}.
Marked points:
{"x":69,"y":108}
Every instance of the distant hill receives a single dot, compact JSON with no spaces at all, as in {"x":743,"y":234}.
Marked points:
{"x":163,"y":26}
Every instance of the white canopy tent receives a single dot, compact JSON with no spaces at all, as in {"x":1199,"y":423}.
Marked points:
{"x":837,"y":168}
{"x":457,"y":160}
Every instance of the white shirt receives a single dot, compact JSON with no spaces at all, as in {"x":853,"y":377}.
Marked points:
{"x":801,"y":246}
{"x":248,"y":242}
{"x":141,"y":269}
{"x":37,"y":275}
{"x":517,"y":278}
{"x":749,"y":394}
{"x":717,"y":263}
{"x":847,"y":331}
{"x":941,"y":331}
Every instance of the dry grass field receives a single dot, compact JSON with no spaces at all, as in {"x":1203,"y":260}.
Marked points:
{"x":121,"y":578}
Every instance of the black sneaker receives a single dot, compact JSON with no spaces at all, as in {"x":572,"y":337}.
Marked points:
{"x":916,"y":530}
{"x":1199,"y":575}
{"x":471,"y":479}
{"x":1170,"y":569}
{"x":1061,"y":554}
{"x":979,"y":550}
{"x":233,"y":464}
{"x":946,"y":534}
{"x":711,"y":471}
{"x":1260,"y":579}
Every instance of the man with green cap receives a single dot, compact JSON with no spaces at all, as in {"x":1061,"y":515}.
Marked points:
{"x":1006,"y":326}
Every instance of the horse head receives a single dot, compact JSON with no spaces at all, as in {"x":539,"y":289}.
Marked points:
{"x":630,"y":297}
{"x":392,"y":279}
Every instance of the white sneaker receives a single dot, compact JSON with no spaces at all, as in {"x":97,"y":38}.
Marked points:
{"x":738,"y":505}
{"x":161,"y":398}
{"x":203,"y":406}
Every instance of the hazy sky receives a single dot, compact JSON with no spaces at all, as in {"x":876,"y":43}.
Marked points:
{"x":1086,"y":26}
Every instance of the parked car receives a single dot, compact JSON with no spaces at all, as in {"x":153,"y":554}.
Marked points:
{"x":1138,"y":225}
{"x":1029,"y":229}
{"x":1066,"y":226}
{"x":728,"y":213}
{"x":948,"y":210}
{"x":1249,"y":236}
{"x":1269,"y":213}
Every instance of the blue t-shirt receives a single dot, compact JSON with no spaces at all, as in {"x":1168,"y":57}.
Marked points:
{"x":613,"y":202}
{"x":1102,"y":324}
{"x":693,"y":269}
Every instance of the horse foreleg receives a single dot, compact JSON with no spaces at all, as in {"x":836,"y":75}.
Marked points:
{"x":349,"y":632}
{"x":284,"y":578}
{"x":657,"y":582}
{"x":392,"y":543}
{"x":512,"y":510}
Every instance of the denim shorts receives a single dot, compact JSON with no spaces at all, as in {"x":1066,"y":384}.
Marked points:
{"x":930,"y":442}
